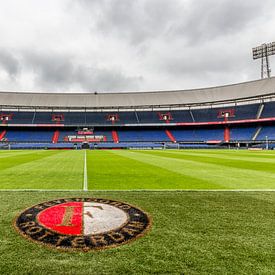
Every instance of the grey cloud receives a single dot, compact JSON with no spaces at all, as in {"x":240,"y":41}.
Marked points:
{"x":135,"y":21}
{"x":178,"y":38}
{"x":211,"y":19}
{"x":204,"y":60}
{"x":59,"y":72}
{"x":114,"y":45}
{"x":208,"y":42}
{"x":9,"y":63}
{"x":209,"y":67}
{"x":103,"y":79}
{"x":191,"y":21}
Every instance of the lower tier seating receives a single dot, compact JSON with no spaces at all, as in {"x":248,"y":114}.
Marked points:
{"x":29,"y":136}
{"x":243,"y":133}
{"x":267,"y":132}
{"x":198,"y":134}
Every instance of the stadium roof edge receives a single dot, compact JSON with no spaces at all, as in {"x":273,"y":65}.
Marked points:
{"x":211,"y":95}
{"x":132,"y":92}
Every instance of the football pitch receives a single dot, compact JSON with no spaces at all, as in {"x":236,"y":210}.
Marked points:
{"x":137,"y":170}
{"x":212,"y":210}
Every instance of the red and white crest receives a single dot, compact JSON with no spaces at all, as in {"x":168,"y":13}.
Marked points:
{"x":82,"y":218}
{"x":83,"y":223}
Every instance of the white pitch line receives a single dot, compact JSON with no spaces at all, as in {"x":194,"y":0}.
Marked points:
{"x":85,"y":180}
{"x":185,"y":190}
{"x":41,"y":190}
{"x":141,"y":190}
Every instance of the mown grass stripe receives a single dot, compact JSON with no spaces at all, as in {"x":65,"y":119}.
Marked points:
{"x":16,"y":160}
{"x":16,"y":153}
{"x":55,"y":170}
{"x":227,"y":177}
{"x":221,"y":160}
{"x":112,"y":171}
{"x":240,"y":157}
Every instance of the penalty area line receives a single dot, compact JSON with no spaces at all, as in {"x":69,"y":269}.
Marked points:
{"x":85,"y":176}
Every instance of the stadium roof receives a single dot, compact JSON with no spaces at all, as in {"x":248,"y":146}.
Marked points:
{"x":241,"y":91}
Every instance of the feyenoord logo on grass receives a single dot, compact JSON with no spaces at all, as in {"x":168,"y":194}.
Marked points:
{"x":82,"y":223}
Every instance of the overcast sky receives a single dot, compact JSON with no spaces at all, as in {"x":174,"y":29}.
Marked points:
{"x":130,"y":45}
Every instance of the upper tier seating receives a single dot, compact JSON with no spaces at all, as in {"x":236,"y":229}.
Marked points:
{"x":246,"y":111}
{"x":74,"y":118}
{"x":206,"y":115}
{"x":181,"y":116}
{"x":239,"y":112}
{"x":128,"y":117}
{"x":42,"y":118}
{"x":139,"y":117}
{"x":22,"y":117}
{"x":148,"y":117}
{"x":269,"y":110}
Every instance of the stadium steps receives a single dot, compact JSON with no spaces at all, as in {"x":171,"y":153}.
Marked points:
{"x":115,"y":136}
{"x":192,"y":116}
{"x":260,"y":111}
{"x":257,"y":132}
{"x":137,"y":117}
{"x":55,"y":136}
{"x":170,"y":135}
{"x":33,"y":118}
{"x":2,"y":135}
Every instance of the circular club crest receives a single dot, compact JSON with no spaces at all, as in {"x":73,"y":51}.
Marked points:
{"x":82,"y":223}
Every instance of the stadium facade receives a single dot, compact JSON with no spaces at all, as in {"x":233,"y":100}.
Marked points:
{"x":241,"y":115}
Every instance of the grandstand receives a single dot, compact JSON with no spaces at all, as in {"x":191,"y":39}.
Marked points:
{"x":233,"y":115}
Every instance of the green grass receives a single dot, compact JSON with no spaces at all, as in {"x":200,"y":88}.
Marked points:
{"x":193,"y":232}
{"x":206,"y":169}
{"x":129,"y":170}
{"x":41,"y":169}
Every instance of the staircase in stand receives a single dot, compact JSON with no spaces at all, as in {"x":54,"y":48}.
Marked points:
{"x":2,"y":135}
{"x":55,"y":136}
{"x":260,"y":111}
{"x":257,"y":132}
{"x":170,"y":135}
{"x":115,"y":136}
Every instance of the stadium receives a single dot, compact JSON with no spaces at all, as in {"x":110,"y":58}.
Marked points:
{"x":240,"y":115}
{"x":137,"y":137}
{"x":195,"y":160}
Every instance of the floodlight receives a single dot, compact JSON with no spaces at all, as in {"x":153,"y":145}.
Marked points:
{"x":264,"y":51}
